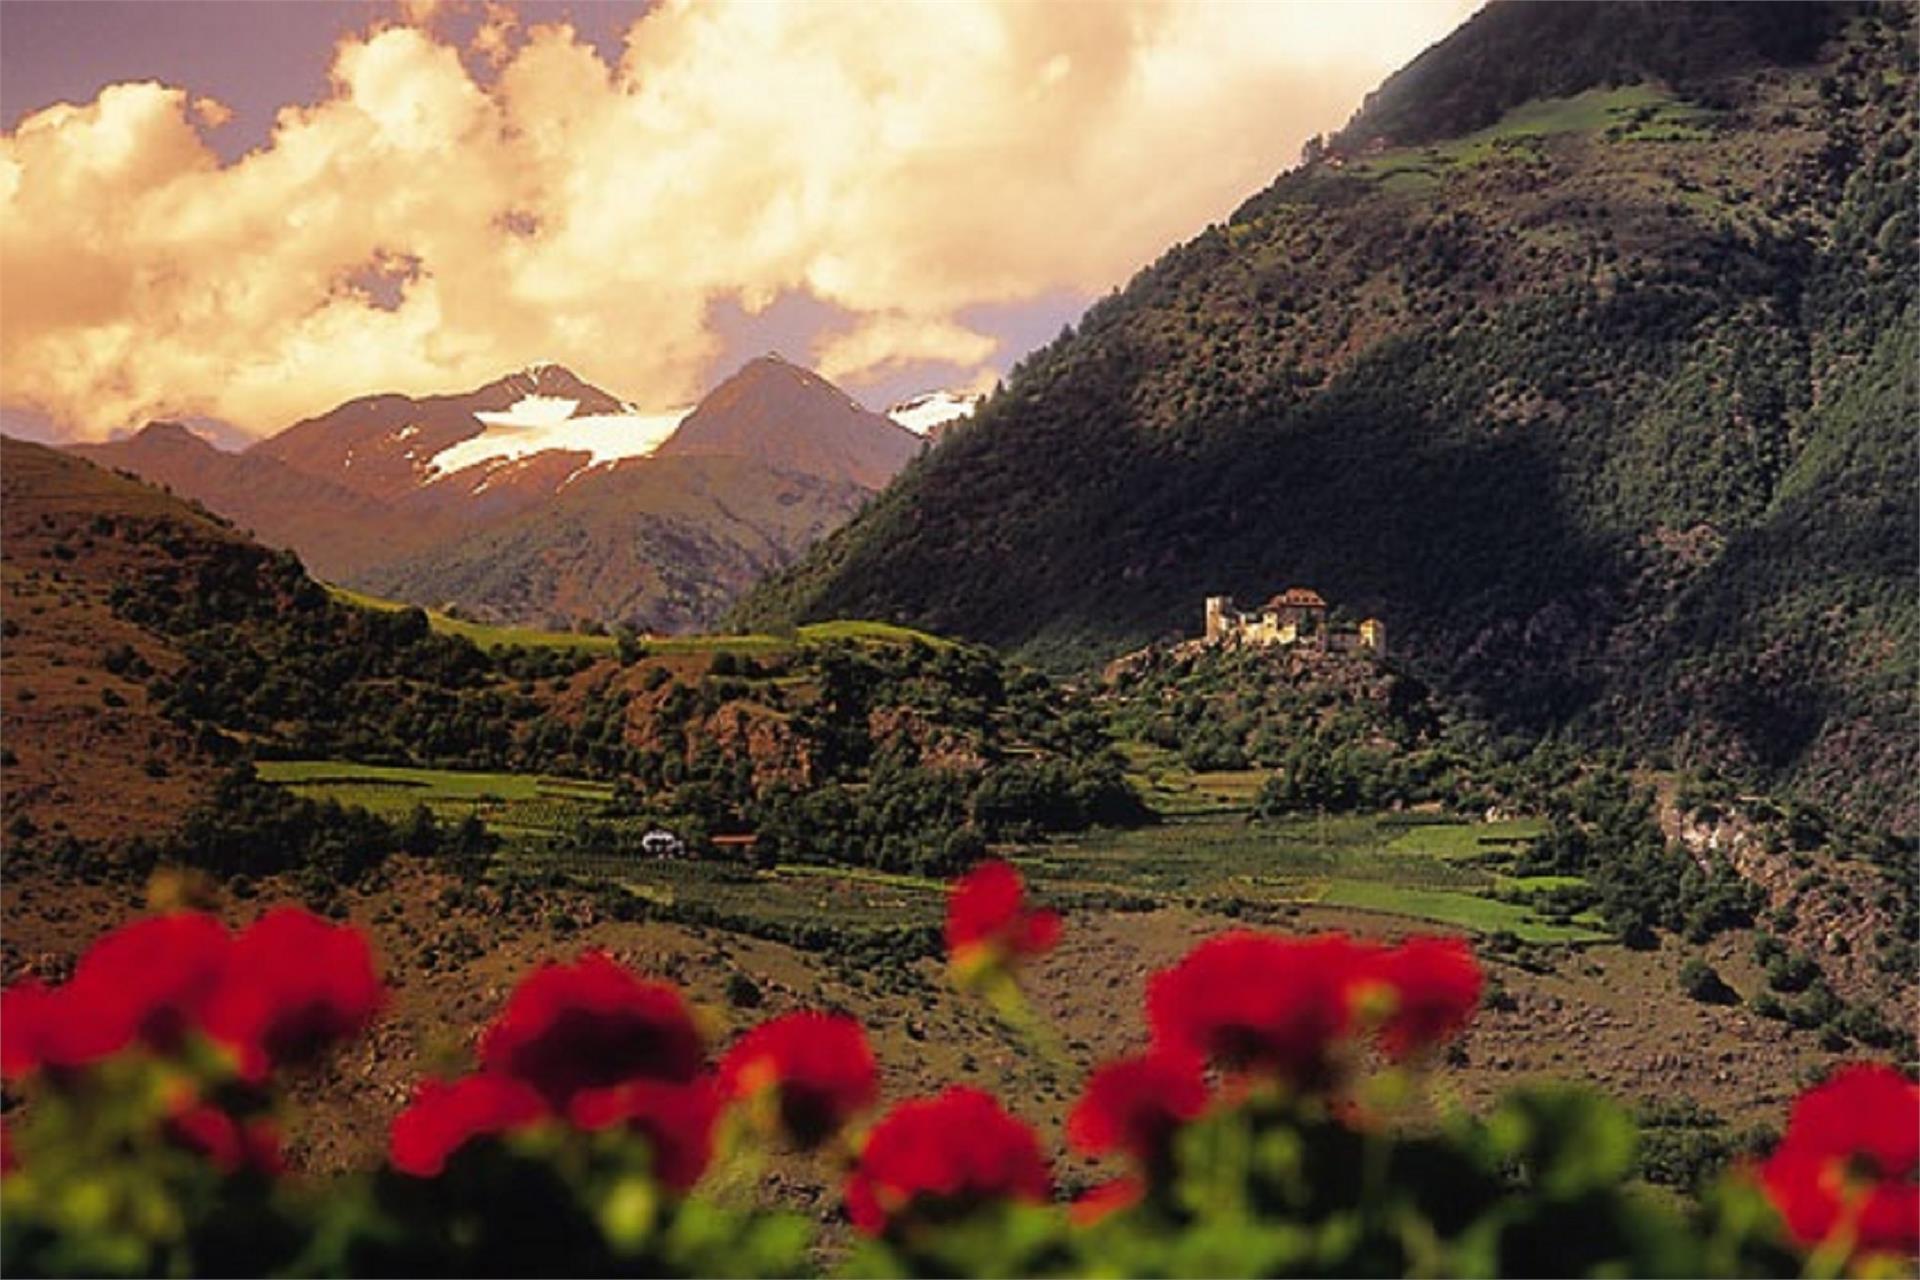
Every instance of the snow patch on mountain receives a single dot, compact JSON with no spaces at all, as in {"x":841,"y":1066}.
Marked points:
{"x":927,"y":413}
{"x":537,"y":423}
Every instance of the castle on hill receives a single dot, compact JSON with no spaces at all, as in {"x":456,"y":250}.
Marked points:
{"x":1295,"y":617}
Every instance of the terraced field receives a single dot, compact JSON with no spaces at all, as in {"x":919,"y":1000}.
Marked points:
{"x":1207,"y":856}
{"x":1443,"y":873}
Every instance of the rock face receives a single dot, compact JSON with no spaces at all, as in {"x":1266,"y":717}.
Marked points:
{"x":540,"y":497}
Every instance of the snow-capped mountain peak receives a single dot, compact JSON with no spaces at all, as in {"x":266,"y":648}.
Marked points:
{"x":932,"y":412}
{"x":536,"y":423}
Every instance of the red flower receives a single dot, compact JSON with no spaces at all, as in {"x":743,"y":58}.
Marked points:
{"x":988,"y":923}
{"x":944,"y":1155}
{"x":260,"y":1137}
{"x":676,"y":1120}
{"x":588,"y":1026}
{"x":24,"y":1009}
{"x":444,"y":1117}
{"x":228,"y":1145}
{"x":155,"y":976}
{"x":1258,"y":1003}
{"x":819,"y":1065}
{"x":1847,"y":1165}
{"x":294,"y":985}
{"x":1136,"y":1104}
{"x":1431,"y":989}
{"x":1105,"y":1200}
{"x":209,"y":1131}
{"x":150,"y":981}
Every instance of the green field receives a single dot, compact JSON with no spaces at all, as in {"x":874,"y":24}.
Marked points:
{"x":1171,"y":788}
{"x":1209,"y":856}
{"x":1465,"y":840}
{"x":1364,"y":862}
{"x":1632,"y":113}
{"x":514,"y":806}
{"x":533,"y":814}
{"x":1459,"y":910}
{"x":489,"y":636}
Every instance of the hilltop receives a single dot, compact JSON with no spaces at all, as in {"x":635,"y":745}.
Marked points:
{"x":1583,"y":358}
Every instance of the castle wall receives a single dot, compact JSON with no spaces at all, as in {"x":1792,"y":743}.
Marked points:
{"x":1290,"y":625}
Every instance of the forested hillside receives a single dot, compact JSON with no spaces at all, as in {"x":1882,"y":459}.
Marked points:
{"x":1602,"y":400}
{"x":151,"y":645}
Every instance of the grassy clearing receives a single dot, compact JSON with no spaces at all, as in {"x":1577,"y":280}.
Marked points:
{"x":1632,"y":113}
{"x":1465,"y":840}
{"x":1460,"y":910}
{"x":534,"y":814}
{"x":483,"y":634}
{"x":1357,"y":861}
{"x":891,"y":879}
{"x":869,"y":633}
{"x":1172,"y":789}
{"x":1536,"y":884}
{"x":489,"y":636}
{"x":443,"y":784}
{"x":528,"y":811}
{"x":1215,"y":859}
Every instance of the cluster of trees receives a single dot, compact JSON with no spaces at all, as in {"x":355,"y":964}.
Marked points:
{"x":1603,"y":829}
{"x":247,"y":829}
{"x":910,"y":755}
{"x":904,"y":757}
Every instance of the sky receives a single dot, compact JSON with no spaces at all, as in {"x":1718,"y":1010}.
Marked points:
{"x":240,"y":213}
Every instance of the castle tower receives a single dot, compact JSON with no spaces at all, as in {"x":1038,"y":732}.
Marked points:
{"x":1219,"y":613}
{"x":1373,"y":635}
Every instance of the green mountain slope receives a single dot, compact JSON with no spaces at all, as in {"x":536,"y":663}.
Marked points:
{"x":1602,"y":405}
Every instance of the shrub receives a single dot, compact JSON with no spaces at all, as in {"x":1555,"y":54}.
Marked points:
{"x":1703,"y":983}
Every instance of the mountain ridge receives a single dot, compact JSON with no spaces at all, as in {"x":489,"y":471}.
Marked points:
{"x":413,"y":496}
{"x":1596,"y":405}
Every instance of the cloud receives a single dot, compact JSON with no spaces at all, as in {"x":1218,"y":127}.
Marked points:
{"x":449,"y":211}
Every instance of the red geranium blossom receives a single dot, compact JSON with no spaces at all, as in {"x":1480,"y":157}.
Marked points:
{"x":676,"y":1120}
{"x":150,"y":981}
{"x":294,"y":984}
{"x":820,"y":1065}
{"x":590,"y":1025}
{"x":1847,"y":1165}
{"x":988,"y":921}
{"x":1136,"y":1104}
{"x":1258,"y":1003}
{"x":941,"y":1155}
{"x":1105,"y":1200}
{"x":1433,"y":988}
{"x":153,"y":977}
{"x":444,"y":1117}
{"x":229,"y":1145}
{"x":23,"y":1017}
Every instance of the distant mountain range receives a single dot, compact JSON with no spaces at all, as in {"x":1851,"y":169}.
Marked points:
{"x":540,"y":497}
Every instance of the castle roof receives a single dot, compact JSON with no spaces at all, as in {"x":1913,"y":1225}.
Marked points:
{"x":1297,"y":598}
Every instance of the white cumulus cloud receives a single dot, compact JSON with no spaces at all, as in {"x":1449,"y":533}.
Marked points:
{"x":425,"y":226}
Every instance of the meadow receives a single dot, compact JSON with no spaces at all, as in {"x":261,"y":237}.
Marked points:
{"x":1629,"y":113}
{"x":490,"y":636}
{"x":1204,"y":854}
